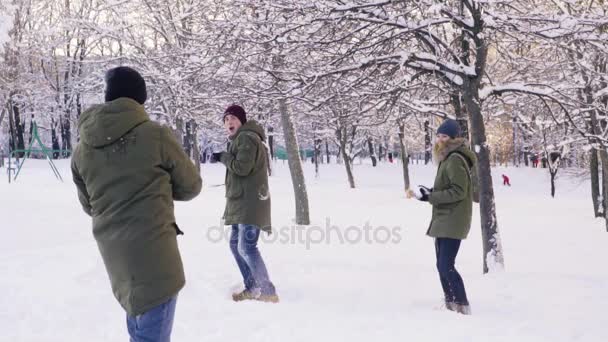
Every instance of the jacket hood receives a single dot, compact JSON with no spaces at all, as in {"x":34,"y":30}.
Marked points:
{"x":251,"y":126}
{"x":103,"y":124}
{"x":442,"y":151}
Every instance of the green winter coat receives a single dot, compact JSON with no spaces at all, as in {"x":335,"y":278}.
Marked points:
{"x":452,"y":196}
{"x":247,"y":193}
{"x":128,"y":170}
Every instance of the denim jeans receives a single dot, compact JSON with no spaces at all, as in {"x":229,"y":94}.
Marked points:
{"x":451,"y":282}
{"x":153,"y":325}
{"x":244,"y":247}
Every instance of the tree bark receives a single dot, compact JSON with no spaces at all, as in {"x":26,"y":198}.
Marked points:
{"x":271,"y":142}
{"x":595,"y":183}
{"x":428,"y":147}
{"x":493,"y":258}
{"x":17,"y":128}
{"x":342,"y":139}
{"x":372,"y":154}
{"x":461,"y":115}
{"x":179,"y":131}
{"x":405,"y":158}
{"x":317,"y":155}
{"x":492,"y":248}
{"x":295,"y":165}
{"x":195,"y":152}
{"x":604,"y":163}
{"x":553,"y":174}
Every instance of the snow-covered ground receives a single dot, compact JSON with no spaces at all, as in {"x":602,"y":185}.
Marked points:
{"x":53,"y":285}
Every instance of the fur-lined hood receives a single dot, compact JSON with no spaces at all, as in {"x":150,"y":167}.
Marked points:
{"x":441,"y":151}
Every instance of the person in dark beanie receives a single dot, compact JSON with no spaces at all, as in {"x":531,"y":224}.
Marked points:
{"x":452,"y":199}
{"x":123,"y":81}
{"x":247,"y":201}
{"x":128,"y":171}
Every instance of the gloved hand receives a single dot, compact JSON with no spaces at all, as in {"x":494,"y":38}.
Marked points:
{"x":423,"y":193}
{"x":216,"y":157}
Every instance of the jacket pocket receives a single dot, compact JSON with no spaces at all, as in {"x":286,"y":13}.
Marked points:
{"x":442,"y":211}
{"x":233,"y":189}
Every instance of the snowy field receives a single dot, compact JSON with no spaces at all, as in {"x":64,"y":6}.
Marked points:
{"x":54,"y":286}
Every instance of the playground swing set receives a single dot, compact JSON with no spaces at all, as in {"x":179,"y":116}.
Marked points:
{"x":47,"y":152}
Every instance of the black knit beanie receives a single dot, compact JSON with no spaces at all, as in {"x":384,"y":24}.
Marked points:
{"x":125,"y":82}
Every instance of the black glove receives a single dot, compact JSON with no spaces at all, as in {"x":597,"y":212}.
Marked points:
{"x":216,"y":157}
{"x":424,"y":193}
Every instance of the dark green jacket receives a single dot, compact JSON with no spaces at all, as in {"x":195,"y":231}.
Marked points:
{"x":128,"y":170}
{"x":452,"y":196}
{"x":247,"y":193}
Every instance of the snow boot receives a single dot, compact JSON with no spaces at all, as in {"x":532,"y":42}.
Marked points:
{"x":463,"y":309}
{"x":268,"y":298}
{"x":243,"y":295}
{"x":451,"y":306}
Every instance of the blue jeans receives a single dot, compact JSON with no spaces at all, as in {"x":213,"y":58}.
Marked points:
{"x":451,"y":282}
{"x":153,"y":325}
{"x":244,"y":247}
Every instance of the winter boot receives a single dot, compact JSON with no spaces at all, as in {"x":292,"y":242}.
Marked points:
{"x":243,"y":295}
{"x":268,"y":298}
{"x":451,"y":306}
{"x":463,"y":309}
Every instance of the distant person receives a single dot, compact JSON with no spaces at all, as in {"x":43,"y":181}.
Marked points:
{"x":505,"y":180}
{"x":452,"y":201}
{"x":128,"y":171}
{"x":247,"y":201}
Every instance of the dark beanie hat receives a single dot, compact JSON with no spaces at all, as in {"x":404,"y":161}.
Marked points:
{"x":237,"y":111}
{"x":449,"y":127}
{"x":125,"y":82}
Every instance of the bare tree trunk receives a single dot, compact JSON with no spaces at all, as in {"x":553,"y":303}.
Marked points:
{"x":492,"y":247}
{"x":194,"y":146}
{"x":271,"y":142}
{"x":17,"y":128}
{"x":493,"y":257}
{"x":2,"y":113}
{"x":604,"y":163}
{"x":405,"y":158}
{"x":553,"y":174}
{"x":178,"y":132}
{"x":188,"y":140}
{"x":317,"y":156}
{"x":428,"y":147}
{"x":295,"y":165}
{"x":515,"y":147}
{"x":327,"y":152}
{"x":342,"y":139}
{"x":372,"y":154}
{"x":461,"y":115}
{"x":595,"y":183}
{"x":349,"y":169}
{"x":54,"y":139}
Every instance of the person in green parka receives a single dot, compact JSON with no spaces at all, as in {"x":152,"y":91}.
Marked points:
{"x":128,"y":171}
{"x":247,"y":201}
{"x":452,"y":199}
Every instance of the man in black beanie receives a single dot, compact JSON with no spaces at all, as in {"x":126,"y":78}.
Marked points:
{"x":128,"y":170}
{"x":123,"y":81}
{"x":248,"y":207}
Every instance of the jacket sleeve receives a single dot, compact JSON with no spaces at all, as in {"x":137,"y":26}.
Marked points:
{"x":244,"y":161}
{"x":83,"y":195}
{"x":458,"y":183}
{"x":186,"y":181}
